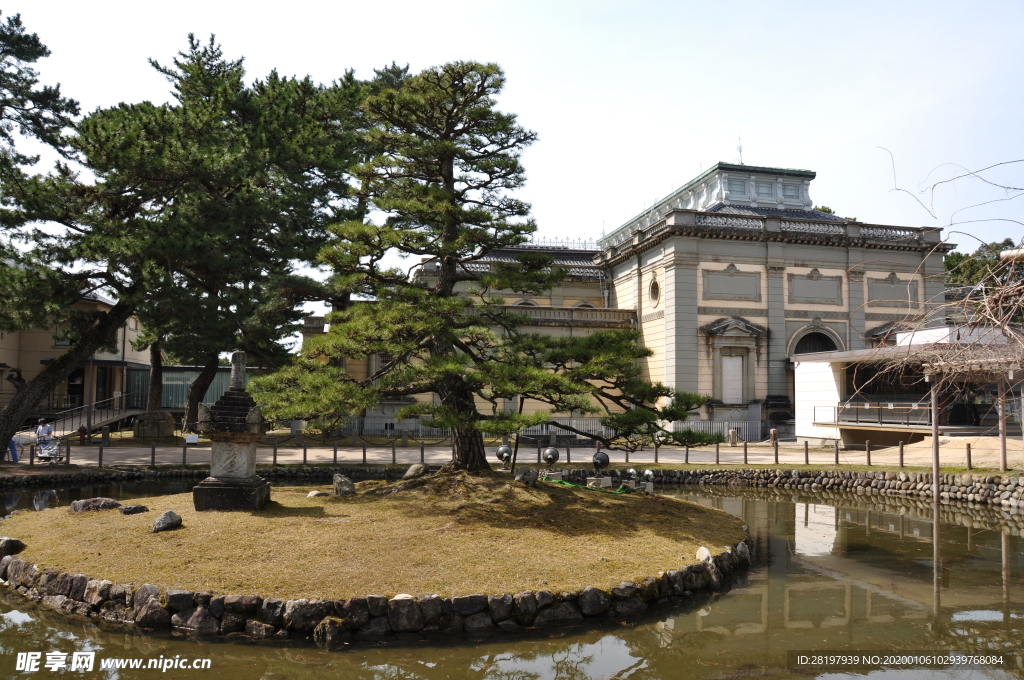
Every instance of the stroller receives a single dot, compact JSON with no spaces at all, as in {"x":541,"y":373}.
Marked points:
{"x":51,"y":452}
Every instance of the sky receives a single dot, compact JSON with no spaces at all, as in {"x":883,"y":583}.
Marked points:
{"x":632,"y":99}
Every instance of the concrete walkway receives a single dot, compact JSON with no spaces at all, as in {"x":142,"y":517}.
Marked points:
{"x":985,"y":453}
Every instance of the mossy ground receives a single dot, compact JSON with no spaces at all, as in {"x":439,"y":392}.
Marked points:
{"x":452,"y":534}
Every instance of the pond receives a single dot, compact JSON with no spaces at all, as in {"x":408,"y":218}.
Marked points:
{"x":842,"y":577}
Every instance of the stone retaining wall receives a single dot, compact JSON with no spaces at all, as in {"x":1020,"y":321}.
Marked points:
{"x":998,"y":491}
{"x":332,"y":622}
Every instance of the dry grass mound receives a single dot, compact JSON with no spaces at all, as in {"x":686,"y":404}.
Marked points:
{"x":453,"y":534}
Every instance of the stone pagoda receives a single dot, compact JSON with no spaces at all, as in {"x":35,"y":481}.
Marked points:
{"x":233,"y":424}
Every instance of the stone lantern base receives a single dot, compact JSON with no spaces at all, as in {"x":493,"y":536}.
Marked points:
{"x":231,"y":494}
{"x":233,"y":483}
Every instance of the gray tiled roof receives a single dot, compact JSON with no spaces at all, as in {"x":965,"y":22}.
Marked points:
{"x":576,"y":262}
{"x":775,"y":212}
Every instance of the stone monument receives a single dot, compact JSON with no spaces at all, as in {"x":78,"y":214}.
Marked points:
{"x":234,"y":425}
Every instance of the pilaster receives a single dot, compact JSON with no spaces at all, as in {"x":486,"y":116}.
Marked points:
{"x":680,"y":316}
{"x":855,"y":331}
{"x":778,"y":384}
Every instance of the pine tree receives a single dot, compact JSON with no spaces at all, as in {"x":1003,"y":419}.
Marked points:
{"x":447,"y":164}
{"x":195,"y":203}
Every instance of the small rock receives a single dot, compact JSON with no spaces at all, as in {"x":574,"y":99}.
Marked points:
{"x":330,"y":633}
{"x":703,"y":554}
{"x":144,"y":594}
{"x":544,"y":599}
{"x":90,"y":504}
{"x":10,"y":546}
{"x":167,"y":521}
{"x":742,"y":553}
{"x":132,"y":509}
{"x":415,"y":470}
{"x":315,"y":494}
{"x":624,"y":590}
{"x":343,"y":486}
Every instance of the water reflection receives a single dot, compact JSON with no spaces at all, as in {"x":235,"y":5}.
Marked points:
{"x":828,"y":574}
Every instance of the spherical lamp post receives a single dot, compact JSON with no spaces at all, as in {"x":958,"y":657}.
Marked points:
{"x":504,"y":454}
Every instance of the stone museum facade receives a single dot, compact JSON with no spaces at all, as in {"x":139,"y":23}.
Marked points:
{"x":730,"y":276}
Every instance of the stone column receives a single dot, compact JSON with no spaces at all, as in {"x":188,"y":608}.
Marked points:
{"x":234,"y":426}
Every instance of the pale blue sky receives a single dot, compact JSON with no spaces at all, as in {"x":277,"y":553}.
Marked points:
{"x":631,"y":99}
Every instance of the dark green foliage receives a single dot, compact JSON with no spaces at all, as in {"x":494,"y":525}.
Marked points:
{"x":968,"y":270}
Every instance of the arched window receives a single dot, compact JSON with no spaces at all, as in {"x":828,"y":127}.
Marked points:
{"x":814,"y":342}
{"x":585,"y":305}
{"x":526,"y":303}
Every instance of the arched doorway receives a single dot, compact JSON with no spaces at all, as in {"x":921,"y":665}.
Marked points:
{"x":814,"y":342}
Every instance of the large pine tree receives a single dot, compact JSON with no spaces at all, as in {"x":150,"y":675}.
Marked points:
{"x":446,"y":165}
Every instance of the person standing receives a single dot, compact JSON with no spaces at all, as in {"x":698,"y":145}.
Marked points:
{"x":12,"y":447}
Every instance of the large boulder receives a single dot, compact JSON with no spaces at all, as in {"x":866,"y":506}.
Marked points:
{"x":258,"y":629}
{"x":500,"y":606}
{"x":431,"y":607}
{"x":303,"y":615}
{"x":355,"y":611}
{"x":96,"y":591}
{"x":152,"y":615}
{"x":524,"y":607}
{"x":91,"y":504}
{"x":167,"y":521}
{"x":742,"y":553}
{"x":144,"y":594}
{"x":593,"y":602}
{"x":478,"y":622}
{"x":415,"y":470}
{"x":272,"y":611}
{"x":377,"y":627}
{"x":467,"y":605}
{"x":378,"y":605}
{"x":242,"y":604}
{"x":10,"y":546}
{"x":404,"y":614}
{"x":634,"y":606}
{"x":343,"y":486}
{"x":180,"y":600}
{"x":330,"y":633}
{"x":564,"y":614}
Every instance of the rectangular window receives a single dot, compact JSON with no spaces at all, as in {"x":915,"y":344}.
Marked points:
{"x":791,"y":191}
{"x":765,"y":190}
{"x":60,"y":337}
{"x":737,"y":187}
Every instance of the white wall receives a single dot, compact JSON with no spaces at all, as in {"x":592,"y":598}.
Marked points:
{"x":818,"y":383}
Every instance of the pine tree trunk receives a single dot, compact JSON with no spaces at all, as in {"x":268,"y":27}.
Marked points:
{"x":155,"y":398}
{"x":197,"y":390}
{"x":34,"y":391}
{"x":469,"y":451}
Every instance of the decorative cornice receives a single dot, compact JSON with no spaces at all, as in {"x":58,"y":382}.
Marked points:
{"x":855,"y":275}
{"x":775,"y":272}
{"x":806,"y":314}
{"x":909,"y":316}
{"x":731,"y":311}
